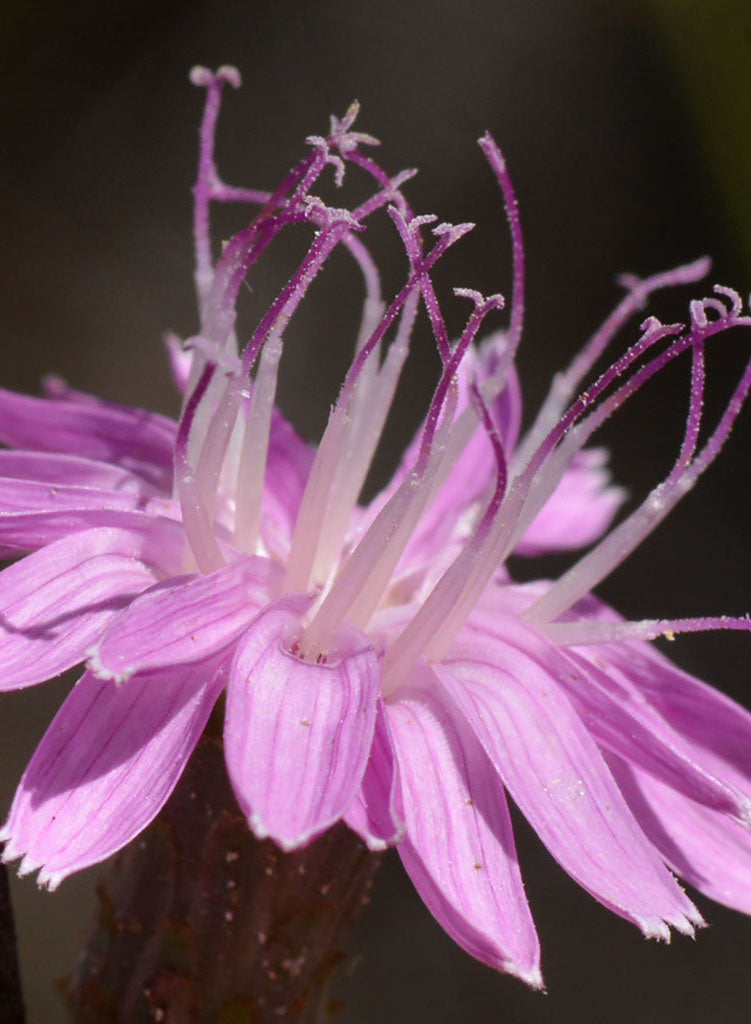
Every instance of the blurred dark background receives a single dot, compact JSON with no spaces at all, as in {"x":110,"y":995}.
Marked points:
{"x":626,"y":127}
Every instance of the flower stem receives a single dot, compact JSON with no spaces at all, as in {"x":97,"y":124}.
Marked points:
{"x":199,"y":921}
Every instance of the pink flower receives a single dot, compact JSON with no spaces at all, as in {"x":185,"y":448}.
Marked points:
{"x":380,"y":665}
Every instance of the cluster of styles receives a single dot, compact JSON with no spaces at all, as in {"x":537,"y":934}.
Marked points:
{"x":380,"y":666}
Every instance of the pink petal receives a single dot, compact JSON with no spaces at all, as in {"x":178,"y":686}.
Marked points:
{"x":186,"y":620}
{"x":704,"y":847}
{"x":580,"y":509}
{"x":36,"y":496}
{"x":459,"y":845}
{"x":56,"y":602}
{"x":633,"y":729}
{"x":715,"y":729}
{"x":54,"y":468}
{"x":618,"y":713}
{"x":556,"y":774}
{"x":28,"y":531}
{"x":139,"y":441}
{"x":105,"y":768}
{"x":376,"y":813}
{"x":297,"y":734}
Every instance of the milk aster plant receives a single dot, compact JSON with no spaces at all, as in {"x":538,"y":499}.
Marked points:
{"x":380,"y":666}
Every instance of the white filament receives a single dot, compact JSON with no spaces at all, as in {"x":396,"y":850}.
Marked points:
{"x":363,"y":579}
{"x":255,"y":445}
{"x":370,"y":407}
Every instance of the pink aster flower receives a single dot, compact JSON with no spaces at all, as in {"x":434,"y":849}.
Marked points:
{"x":379,"y":664}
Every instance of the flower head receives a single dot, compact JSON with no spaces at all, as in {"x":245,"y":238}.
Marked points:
{"x":380,"y":665}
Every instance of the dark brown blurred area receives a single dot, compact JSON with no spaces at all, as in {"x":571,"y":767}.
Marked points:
{"x":99,"y":122}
